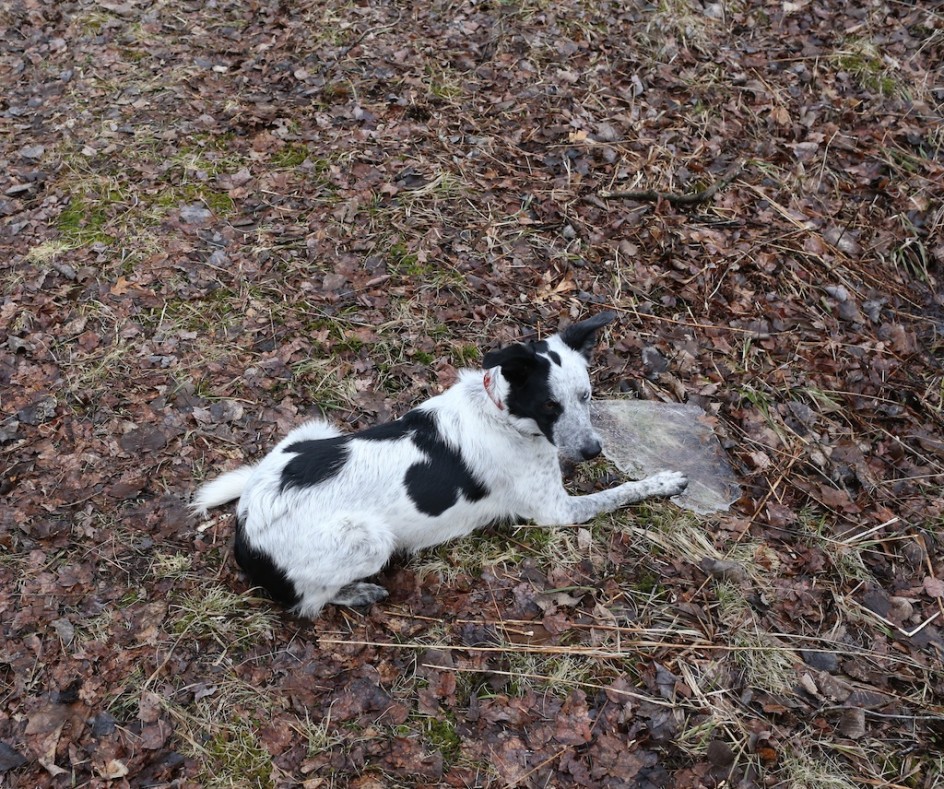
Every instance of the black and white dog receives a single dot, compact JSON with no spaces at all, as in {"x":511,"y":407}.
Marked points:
{"x":324,"y":510}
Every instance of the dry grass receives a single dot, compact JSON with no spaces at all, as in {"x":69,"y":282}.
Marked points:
{"x":221,"y":732}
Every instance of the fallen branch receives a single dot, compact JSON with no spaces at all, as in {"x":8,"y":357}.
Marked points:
{"x":690,"y":198}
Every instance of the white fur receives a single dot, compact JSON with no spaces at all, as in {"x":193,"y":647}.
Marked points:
{"x":225,"y":488}
{"x":326,"y":537}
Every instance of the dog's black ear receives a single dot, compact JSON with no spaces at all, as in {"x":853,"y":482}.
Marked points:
{"x":583,"y":336}
{"x":516,"y":361}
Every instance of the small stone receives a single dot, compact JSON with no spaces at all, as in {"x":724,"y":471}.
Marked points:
{"x":823,"y":661}
{"x":653,"y":361}
{"x":714,"y":11}
{"x":901,"y":609}
{"x":64,"y":629}
{"x":103,"y":724}
{"x":721,"y":568}
{"x":39,"y":412}
{"x":8,"y":431}
{"x":32,"y":152}
{"x":873,"y":308}
{"x":720,"y":753}
{"x":607,"y":132}
{"x":195,"y":214}
{"x":17,"y":344}
{"x":914,"y":553}
{"x":219,"y":259}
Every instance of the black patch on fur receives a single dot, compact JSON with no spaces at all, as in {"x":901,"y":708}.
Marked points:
{"x":583,"y":336}
{"x":532,"y":398}
{"x":389,"y":431}
{"x":542,"y":347}
{"x":263,"y":571}
{"x":315,"y":461}
{"x":516,"y":361}
{"x":435,"y":484}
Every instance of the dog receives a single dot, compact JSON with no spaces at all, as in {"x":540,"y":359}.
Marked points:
{"x":324,"y":510}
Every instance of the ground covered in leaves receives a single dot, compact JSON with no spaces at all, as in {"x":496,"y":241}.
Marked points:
{"x":218,"y":218}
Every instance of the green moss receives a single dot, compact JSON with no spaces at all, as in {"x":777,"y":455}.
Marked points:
{"x":235,"y":757}
{"x":400,"y":260}
{"x":347,"y":344}
{"x":131,"y":597}
{"x":291,"y":155}
{"x":465,"y":356}
{"x":93,"y":23}
{"x":442,"y":736}
{"x":335,"y":92}
{"x":403,"y":262}
{"x":218,"y":202}
{"x":134,"y":55}
{"x":83,"y":221}
{"x":207,"y":153}
{"x":861,"y":59}
{"x":646,"y":582}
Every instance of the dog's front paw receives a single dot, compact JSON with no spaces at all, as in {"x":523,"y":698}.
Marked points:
{"x":667,"y":483}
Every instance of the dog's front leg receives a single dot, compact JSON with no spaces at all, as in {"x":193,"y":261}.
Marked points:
{"x":563,"y":509}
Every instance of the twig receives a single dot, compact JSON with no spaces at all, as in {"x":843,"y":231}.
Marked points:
{"x":906,"y":633}
{"x":689,"y":198}
{"x":578,"y":683}
{"x":862,"y":535}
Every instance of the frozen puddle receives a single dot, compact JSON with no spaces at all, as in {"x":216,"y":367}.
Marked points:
{"x":642,"y":437}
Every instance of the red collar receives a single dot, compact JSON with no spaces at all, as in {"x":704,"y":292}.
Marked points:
{"x":487,"y":381}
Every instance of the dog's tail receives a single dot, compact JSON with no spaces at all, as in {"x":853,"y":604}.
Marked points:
{"x":225,"y":488}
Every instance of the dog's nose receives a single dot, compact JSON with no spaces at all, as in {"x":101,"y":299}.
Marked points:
{"x":591,"y":450}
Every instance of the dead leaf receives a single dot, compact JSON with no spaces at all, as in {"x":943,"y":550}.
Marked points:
{"x":780,"y":115}
{"x":852,"y":723}
{"x":143,"y":440}
{"x":150,"y":707}
{"x":933,"y":587}
{"x":43,"y":730}
{"x":10,"y":759}
{"x":123,"y":286}
{"x":112,"y":770}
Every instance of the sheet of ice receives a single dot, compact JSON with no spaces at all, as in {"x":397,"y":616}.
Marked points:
{"x":642,"y":437}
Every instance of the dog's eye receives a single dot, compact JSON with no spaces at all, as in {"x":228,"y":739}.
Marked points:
{"x":551,"y":407}
{"x":585,"y":396}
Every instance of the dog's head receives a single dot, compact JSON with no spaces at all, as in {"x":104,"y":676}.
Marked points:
{"x":548,"y":387}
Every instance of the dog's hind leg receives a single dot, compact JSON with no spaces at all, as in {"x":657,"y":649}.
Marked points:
{"x":359,"y":593}
{"x":360,"y":547}
{"x":356,"y":593}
